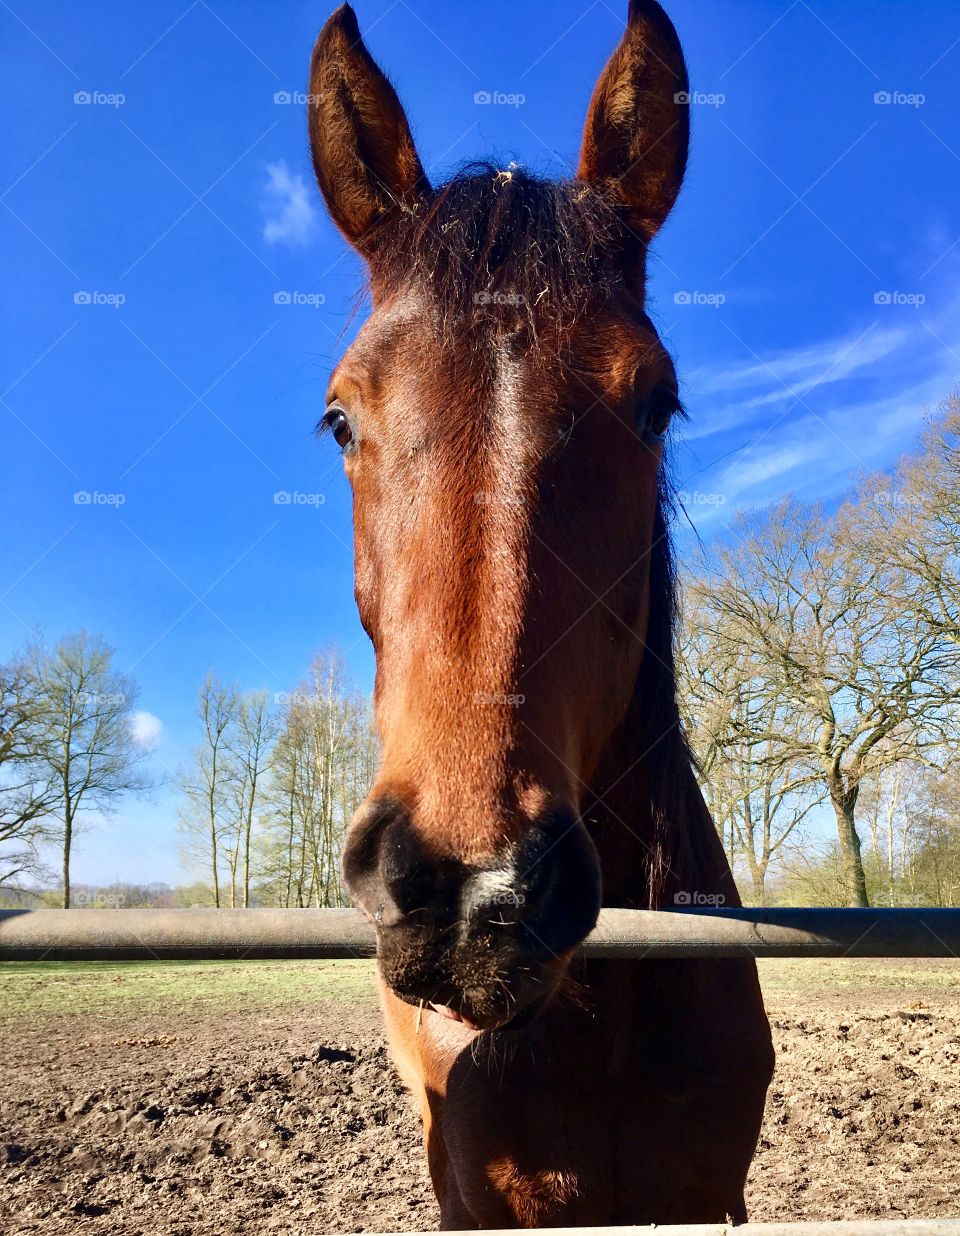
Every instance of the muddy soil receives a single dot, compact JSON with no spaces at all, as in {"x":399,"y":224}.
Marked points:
{"x":293,"y":1121}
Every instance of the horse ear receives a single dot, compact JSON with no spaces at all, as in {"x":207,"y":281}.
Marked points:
{"x":363,"y":154}
{"x":638,"y":125}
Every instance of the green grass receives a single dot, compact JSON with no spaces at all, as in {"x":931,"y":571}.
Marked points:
{"x":204,"y":987}
{"x":810,"y":975}
{"x":121,"y":988}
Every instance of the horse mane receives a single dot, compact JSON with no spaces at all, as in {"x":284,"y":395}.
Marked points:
{"x":670,"y":764}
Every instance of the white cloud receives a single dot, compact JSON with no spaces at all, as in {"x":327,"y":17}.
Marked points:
{"x":288,"y":208}
{"x":146,"y":729}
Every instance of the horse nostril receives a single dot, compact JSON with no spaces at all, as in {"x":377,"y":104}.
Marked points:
{"x":391,"y":874}
{"x":560,"y":878}
{"x":377,"y":830}
{"x":409,"y":879}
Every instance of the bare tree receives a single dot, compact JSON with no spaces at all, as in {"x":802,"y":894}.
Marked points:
{"x":758,"y":791}
{"x":324,"y":763}
{"x":931,"y":849}
{"x":208,"y":783}
{"x":880,"y":802}
{"x":867,"y":686}
{"x":913,"y":853}
{"x":284,"y":849}
{"x":814,"y":874}
{"x":86,"y":744}
{"x":911,"y":519}
{"x":29,"y":789}
{"x":249,"y":743}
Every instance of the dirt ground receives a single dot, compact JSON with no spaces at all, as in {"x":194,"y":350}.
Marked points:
{"x":195,"y":1120}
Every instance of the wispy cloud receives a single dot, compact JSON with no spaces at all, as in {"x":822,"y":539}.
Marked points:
{"x":287,"y":205}
{"x":784,"y":377}
{"x":809,"y":420}
{"x":803,"y":368}
{"x":816,"y":456}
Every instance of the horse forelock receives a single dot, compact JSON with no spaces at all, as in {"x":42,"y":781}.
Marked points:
{"x":534,"y":253}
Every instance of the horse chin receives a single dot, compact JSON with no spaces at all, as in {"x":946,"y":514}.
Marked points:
{"x":493,"y":1023}
{"x":481,"y":983}
{"x":487,"y":1016}
{"x":525,"y":1016}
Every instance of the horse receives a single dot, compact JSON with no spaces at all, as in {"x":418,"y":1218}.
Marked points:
{"x":502,"y":415}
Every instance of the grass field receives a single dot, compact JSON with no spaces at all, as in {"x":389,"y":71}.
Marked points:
{"x":125,"y":987}
{"x":36,"y":988}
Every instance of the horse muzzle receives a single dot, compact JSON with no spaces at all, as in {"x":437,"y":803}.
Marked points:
{"x":486,"y":944}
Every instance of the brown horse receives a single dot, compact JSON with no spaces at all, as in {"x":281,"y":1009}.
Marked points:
{"x":502,"y":415}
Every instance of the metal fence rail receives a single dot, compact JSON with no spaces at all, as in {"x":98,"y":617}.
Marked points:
{"x":171,"y":935}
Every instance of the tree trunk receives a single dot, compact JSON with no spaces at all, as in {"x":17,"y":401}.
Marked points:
{"x":757,"y":875}
{"x":286,"y":903}
{"x":844,"y":805}
{"x":246,"y":850}
{"x":246,"y":868}
{"x":248,"y":830}
{"x":67,"y":843}
{"x":214,"y":863}
{"x":891,"y":812}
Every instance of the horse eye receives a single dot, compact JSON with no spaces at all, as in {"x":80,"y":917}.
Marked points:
{"x":336,"y":421}
{"x":656,"y":416}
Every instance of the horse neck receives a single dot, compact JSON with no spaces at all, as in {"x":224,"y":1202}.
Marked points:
{"x":646,"y":814}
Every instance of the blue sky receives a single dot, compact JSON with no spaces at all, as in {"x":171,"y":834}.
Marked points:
{"x":176,"y":297}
